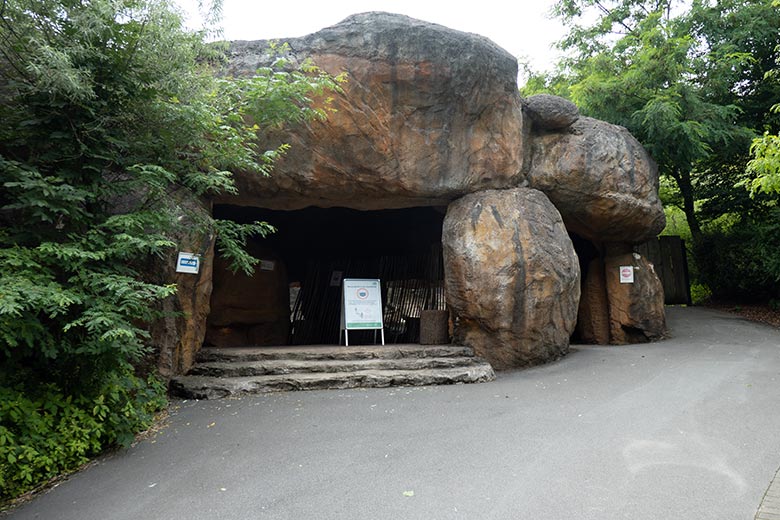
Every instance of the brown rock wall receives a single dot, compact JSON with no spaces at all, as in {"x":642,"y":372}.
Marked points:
{"x":593,"y":314}
{"x":601,"y":180}
{"x":250,"y":310}
{"x":178,"y":335}
{"x":427,"y":115}
{"x":636,"y":311}
{"x":512,"y":277}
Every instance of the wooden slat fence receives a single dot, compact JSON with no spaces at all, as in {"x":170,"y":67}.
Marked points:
{"x":668,"y":255}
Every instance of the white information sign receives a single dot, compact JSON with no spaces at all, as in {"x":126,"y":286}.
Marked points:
{"x":188,"y":263}
{"x":267,"y":265}
{"x":626,"y":274}
{"x":361,"y":306}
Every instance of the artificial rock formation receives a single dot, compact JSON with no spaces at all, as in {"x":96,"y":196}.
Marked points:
{"x":636,"y":310}
{"x":512,"y":277}
{"x":250,"y":310}
{"x":601,"y":180}
{"x":427,"y":115}
{"x":611,"y":312}
{"x":593,"y":315}
{"x":432,"y":117}
{"x":550,"y":112}
{"x":179,"y":334}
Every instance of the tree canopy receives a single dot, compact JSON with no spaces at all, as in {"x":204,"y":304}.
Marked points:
{"x":112,"y":114}
{"x":691,"y":80}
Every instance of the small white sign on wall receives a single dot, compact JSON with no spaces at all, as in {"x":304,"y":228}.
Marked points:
{"x":188,"y":263}
{"x":267,"y":265}
{"x":626,"y":274}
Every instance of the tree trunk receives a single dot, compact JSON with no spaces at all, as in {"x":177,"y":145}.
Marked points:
{"x":683,"y":179}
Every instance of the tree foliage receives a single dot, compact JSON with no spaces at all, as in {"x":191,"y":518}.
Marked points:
{"x":112,"y":113}
{"x":689,"y":80}
{"x":765,"y":164}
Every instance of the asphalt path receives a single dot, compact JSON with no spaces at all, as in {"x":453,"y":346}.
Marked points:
{"x":687,"y":428}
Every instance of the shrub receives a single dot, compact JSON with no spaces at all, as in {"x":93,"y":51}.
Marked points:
{"x":48,"y":433}
{"x":107,"y":122}
{"x":741,"y":261}
{"x":700,"y":293}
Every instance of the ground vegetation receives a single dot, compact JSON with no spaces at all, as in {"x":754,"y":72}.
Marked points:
{"x":112,"y":113}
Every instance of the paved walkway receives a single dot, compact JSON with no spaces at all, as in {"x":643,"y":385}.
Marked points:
{"x":688,"y":428}
{"x":770,"y":505}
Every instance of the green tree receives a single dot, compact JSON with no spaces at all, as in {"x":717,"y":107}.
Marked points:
{"x":765,"y":149}
{"x":689,"y":80}
{"x":112,"y":115}
{"x":765,"y":164}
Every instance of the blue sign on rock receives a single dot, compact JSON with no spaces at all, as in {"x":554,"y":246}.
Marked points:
{"x":188,"y":263}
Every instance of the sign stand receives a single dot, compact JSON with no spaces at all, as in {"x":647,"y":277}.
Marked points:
{"x":361,"y":307}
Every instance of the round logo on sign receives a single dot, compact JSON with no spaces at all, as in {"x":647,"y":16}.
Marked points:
{"x":626,"y":272}
{"x":362,"y":293}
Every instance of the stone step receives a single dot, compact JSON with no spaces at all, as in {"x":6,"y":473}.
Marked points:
{"x":290,"y":366}
{"x":324,"y":352}
{"x":207,"y":387}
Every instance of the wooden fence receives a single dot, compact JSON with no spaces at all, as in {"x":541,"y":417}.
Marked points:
{"x":668,"y":255}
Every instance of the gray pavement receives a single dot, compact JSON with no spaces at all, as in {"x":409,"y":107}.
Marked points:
{"x":682,"y":429}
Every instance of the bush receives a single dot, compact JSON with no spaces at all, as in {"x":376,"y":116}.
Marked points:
{"x":108,"y":121}
{"x":740,"y":261}
{"x":49,"y":433}
{"x":700,"y":293}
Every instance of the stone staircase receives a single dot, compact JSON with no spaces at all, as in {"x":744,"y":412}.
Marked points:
{"x":224,"y":372}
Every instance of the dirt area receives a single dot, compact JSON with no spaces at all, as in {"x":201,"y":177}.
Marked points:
{"x":762,"y":313}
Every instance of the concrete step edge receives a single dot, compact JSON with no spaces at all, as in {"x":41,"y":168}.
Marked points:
{"x":204,"y":387}
{"x":286,"y":366}
{"x":333,"y":352}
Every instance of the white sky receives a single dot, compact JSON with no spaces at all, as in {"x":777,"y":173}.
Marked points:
{"x":519,"y":26}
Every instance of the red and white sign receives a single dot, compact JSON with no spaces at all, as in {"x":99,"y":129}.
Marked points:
{"x":626,"y":274}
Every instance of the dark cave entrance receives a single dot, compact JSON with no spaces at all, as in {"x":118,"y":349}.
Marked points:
{"x":294,"y":297}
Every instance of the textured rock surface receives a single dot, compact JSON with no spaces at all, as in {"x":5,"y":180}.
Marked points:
{"x":428,"y":114}
{"x":636,"y":311}
{"x":245,"y":370}
{"x":550,"y":112}
{"x":250,"y":310}
{"x":434,"y":327}
{"x":593,"y":315}
{"x":512,"y":276}
{"x":601,"y":180}
{"x":178,"y":336}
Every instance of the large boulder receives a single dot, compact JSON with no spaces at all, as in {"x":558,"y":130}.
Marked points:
{"x":512,"y":276}
{"x":427,"y":115}
{"x":601,"y":179}
{"x":636,"y":310}
{"x":548,"y":112}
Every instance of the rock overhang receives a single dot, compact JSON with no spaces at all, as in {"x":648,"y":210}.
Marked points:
{"x":427,"y":115}
{"x":433,"y":117}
